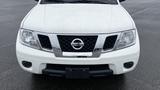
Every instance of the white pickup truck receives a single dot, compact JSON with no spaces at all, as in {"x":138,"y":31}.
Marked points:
{"x":78,"y":39}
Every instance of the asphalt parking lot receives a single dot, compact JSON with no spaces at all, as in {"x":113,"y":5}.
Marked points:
{"x":146,"y":14}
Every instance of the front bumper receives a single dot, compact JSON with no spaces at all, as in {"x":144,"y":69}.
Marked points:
{"x":77,"y":71}
{"x":114,"y":59}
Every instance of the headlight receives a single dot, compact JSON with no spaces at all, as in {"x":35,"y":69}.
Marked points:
{"x":28,"y":38}
{"x":126,"y":39}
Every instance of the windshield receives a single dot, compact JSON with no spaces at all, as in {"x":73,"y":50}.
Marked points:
{"x":80,"y":1}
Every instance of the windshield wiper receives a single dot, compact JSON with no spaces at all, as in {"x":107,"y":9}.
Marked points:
{"x":98,"y":2}
{"x":87,"y":1}
{"x":75,"y":1}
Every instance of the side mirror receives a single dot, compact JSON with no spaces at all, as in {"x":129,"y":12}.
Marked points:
{"x":121,"y":0}
{"x":36,"y":0}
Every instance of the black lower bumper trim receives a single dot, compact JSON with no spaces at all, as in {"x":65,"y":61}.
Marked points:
{"x":77,"y":73}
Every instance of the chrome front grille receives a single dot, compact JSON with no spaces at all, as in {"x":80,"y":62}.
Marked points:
{"x":60,"y":44}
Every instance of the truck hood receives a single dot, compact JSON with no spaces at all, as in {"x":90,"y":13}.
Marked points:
{"x":78,"y":18}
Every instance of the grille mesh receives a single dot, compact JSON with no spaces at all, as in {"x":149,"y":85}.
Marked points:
{"x":45,"y":42}
{"x":65,"y":43}
{"x":91,"y":67}
{"x":110,"y":42}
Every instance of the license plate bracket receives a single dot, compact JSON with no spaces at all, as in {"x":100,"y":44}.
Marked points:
{"x":77,"y":73}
